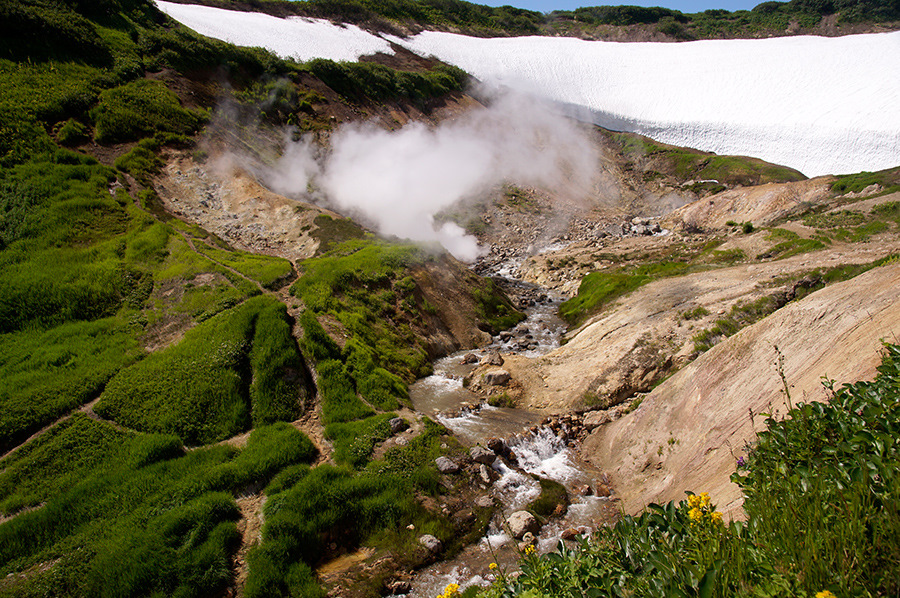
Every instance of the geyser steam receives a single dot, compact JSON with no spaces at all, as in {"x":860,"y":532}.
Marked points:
{"x":398,"y":180}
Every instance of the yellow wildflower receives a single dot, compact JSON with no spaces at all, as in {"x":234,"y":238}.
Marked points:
{"x":695,"y":514}
{"x":716,"y":517}
{"x":451,"y":590}
{"x":825,"y":594}
{"x":492,"y":566}
{"x":704,"y":499}
{"x":529,"y":549}
{"x":693,"y":501}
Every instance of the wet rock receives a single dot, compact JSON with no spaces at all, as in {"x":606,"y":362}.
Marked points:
{"x":583,"y":490}
{"x":522,"y":522}
{"x":485,"y":473}
{"x":505,"y":336}
{"x":399,"y":587}
{"x":492,"y":358}
{"x":432,"y":544}
{"x":470,"y":358}
{"x":569,"y":534}
{"x":482,"y":455}
{"x":496,"y":377}
{"x":398,"y":424}
{"x":498,"y":446}
{"x":484,"y":502}
{"x":446,"y":465}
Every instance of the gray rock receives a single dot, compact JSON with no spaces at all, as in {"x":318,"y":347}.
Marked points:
{"x":399,"y":587}
{"x":522,"y":522}
{"x":484,"y":472}
{"x":484,"y":502}
{"x":496,"y":377}
{"x":470,"y":358}
{"x":492,"y":358}
{"x":446,"y":465}
{"x":398,"y":424}
{"x":482,"y":455}
{"x":432,"y":544}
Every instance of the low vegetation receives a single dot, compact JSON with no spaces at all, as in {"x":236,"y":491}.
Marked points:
{"x":704,"y":168}
{"x":130,"y":514}
{"x":826,"y":471}
{"x":599,"y":289}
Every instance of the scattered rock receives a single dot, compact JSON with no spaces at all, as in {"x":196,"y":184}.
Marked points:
{"x":399,"y":587}
{"x":485,"y":473}
{"x":470,"y":358}
{"x":445,"y":465}
{"x":484,"y":502}
{"x":398,"y":424}
{"x":492,"y":358}
{"x":432,"y":544}
{"x":522,"y":522}
{"x":480,"y":454}
{"x":496,"y":377}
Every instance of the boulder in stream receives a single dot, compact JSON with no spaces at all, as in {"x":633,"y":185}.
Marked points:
{"x":482,"y":455}
{"x":521,"y":523}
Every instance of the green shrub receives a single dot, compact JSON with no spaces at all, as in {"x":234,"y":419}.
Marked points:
{"x":72,"y":133}
{"x":201,"y":389}
{"x":140,"y":109}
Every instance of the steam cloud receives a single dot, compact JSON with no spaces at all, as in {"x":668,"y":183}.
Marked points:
{"x":398,"y":180}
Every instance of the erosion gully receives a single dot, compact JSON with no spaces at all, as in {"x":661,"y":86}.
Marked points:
{"x":538,"y":449}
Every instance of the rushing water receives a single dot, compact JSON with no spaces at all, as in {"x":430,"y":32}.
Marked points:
{"x":443,"y":397}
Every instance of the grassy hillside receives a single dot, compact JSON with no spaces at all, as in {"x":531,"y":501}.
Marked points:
{"x":126,"y":333}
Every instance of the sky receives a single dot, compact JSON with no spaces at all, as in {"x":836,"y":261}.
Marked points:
{"x":687,"y":6}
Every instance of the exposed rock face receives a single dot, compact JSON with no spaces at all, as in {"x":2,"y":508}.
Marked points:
{"x":522,"y":522}
{"x":445,"y":465}
{"x":690,"y":430}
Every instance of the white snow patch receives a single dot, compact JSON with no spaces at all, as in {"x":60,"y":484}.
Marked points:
{"x":293,"y":37}
{"x":820,"y":105}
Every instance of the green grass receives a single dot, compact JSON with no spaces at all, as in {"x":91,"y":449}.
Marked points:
{"x":266,"y":270}
{"x":888,"y":179}
{"x":140,"y":109}
{"x":143,"y":518}
{"x":353,"y":441}
{"x":599,"y":289}
{"x":207,"y":387}
{"x":685,"y":164}
{"x":793,"y":244}
{"x":828,"y":470}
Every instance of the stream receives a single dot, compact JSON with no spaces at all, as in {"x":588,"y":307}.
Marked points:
{"x":538,"y":450}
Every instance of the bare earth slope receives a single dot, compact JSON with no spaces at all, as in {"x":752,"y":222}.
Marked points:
{"x":688,"y":433}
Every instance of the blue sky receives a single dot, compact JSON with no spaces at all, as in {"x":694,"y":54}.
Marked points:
{"x":682,"y":5}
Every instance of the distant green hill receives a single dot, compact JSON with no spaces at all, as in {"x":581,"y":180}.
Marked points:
{"x":768,"y":18}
